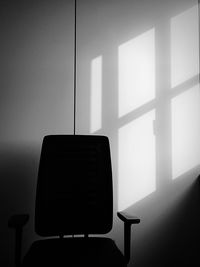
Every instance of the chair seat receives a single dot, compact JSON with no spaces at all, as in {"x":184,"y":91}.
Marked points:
{"x":74,"y":252}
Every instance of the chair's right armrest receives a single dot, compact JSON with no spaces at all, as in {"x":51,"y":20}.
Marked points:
{"x":18,"y":220}
{"x":128,"y":218}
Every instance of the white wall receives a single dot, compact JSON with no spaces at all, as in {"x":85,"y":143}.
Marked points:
{"x":140,"y":113}
{"x":36,"y":98}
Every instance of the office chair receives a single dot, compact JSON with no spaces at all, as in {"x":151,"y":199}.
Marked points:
{"x":74,"y":199}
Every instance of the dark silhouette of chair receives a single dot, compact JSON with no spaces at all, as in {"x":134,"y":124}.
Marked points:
{"x":74,"y":199}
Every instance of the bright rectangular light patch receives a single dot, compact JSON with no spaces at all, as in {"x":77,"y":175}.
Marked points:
{"x":137,"y":177}
{"x":185,"y":131}
{"x":184,"y":46}
{"x":136,"y":70}
{"x":96,"y":95}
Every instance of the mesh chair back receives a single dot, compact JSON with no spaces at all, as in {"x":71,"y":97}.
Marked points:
{"x":74,"y":189}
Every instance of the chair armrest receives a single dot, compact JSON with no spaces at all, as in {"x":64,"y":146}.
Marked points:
{"x":18,"y":220}
{"x":128,"y":221}
{"x":127,"y":218}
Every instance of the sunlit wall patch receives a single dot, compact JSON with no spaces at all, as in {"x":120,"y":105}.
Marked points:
{"x":185,"y":131}
{"x":184,"y":46}
{"x":96,"y":95}
{"x":136,"y":160}
{"x":136,"y":72}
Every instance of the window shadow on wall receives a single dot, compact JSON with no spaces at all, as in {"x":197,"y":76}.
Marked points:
{"x":144,"y":94}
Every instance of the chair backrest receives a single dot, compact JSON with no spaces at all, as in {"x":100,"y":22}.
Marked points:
{"x":74,"y":189}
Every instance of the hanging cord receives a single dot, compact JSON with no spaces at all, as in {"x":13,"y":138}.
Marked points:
{"x":75,"y":67}
{"x":199,"y":34}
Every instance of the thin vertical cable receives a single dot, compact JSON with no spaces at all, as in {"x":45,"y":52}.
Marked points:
{"x":75,"y":48}
{"x":199,"y":34}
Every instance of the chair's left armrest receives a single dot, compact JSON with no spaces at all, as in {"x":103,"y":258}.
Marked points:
{"x":128,"y":220}
{"x":17,"y":222}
